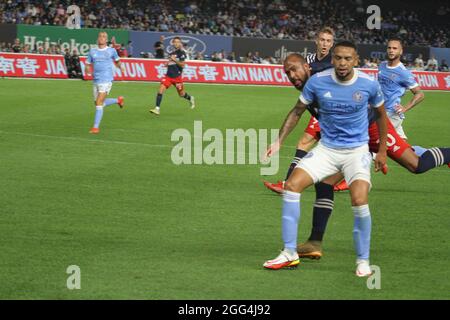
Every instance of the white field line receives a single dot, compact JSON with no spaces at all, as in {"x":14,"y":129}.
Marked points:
{"x":149,"y":145}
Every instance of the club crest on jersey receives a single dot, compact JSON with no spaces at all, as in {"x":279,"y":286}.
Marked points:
{"x":357,"y":96}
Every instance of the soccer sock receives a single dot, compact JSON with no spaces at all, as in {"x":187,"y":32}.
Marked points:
{"x":299,"y":154}
{"x":289,"y":222}
{"x":158,"y":100}
{"x":187,"y":97}
{"x":110,"y":101}
{"x":361,"y":231}
{"x":98,"y":116}
{"x":433,"y":158}
{"x":322,"y":210}
{"x":419,"y":150}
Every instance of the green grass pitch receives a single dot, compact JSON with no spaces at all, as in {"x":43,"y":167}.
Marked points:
{"x":140,"y":227}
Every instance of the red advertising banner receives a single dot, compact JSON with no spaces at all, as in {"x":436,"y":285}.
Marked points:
{"x":202,"y":72}
{"x":52,"y":66}
{"x":32,"y":66}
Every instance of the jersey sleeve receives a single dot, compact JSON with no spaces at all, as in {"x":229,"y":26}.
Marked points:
{"x":115,"y":56}
{"x":376,"y":98}
{"x":182,"y":56}
{"x":89,"y":57}
{"x":307,"y":97}
{"x":408,"y":80}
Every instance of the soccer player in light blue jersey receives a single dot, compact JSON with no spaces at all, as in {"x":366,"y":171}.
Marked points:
{"x":102,"y":59}
{"x":394,"y":79}
{"x":344,"y":96}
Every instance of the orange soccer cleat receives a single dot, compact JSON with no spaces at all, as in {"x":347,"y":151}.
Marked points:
{"x":275,"y":187}
{"x":341,"y":186}
{"x":120,"y":102}
{"x":284,"y":261}
{"x":94,"y":131}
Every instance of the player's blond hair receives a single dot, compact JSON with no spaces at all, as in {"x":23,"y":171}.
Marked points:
{"x":328,"y":30}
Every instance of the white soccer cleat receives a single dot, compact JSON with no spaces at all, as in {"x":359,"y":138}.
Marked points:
{"x":284,"y":260}
{"x":363,"y":268}
{"x":192,"y":102}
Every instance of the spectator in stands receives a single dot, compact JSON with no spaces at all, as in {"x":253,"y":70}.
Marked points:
{"x":444,"y":66}
{"x":418,"y":66}
{"x":233,"y":58}
{"x":418,"y":62}
{"x":122,"y":51}
{"x":17,"y":46}
{"x":199,"y":56}
{"x":248,"y":58}
{"x":215,"y":57}
{"x":266,"y":60}
{"x":432,"y":64}
{"x":72,"y":62}
{"x":366,"y":64}
{"x":130,"y":48}
{"x":159,"y":48}
{"x":256,"y":58}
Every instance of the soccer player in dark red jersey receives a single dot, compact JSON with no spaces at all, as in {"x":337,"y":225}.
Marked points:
{"x":173,"y":76}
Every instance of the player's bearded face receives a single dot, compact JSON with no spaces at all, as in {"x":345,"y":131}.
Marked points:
{"x":344,"y":59}
{"x":297,"y":74}
{"x":394,"y":50}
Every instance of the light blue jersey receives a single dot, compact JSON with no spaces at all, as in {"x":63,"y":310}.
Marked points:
{"x":394,"y":81}
{"x":343,"y":107}
{"x":102,"y":60}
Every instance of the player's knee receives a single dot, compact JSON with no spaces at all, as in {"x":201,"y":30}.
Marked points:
{"x":359,"y":200}
{"x":291,"y":186}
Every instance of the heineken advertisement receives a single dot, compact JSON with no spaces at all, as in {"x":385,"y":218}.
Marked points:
{"x":81,"y":39}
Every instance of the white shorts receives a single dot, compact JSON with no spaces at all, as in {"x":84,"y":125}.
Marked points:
{"x":397,"y":121}
{"x":322,"y":162}
{"x":101,"y":87}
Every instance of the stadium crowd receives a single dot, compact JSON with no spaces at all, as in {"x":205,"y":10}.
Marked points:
{"x":279,"y":19}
